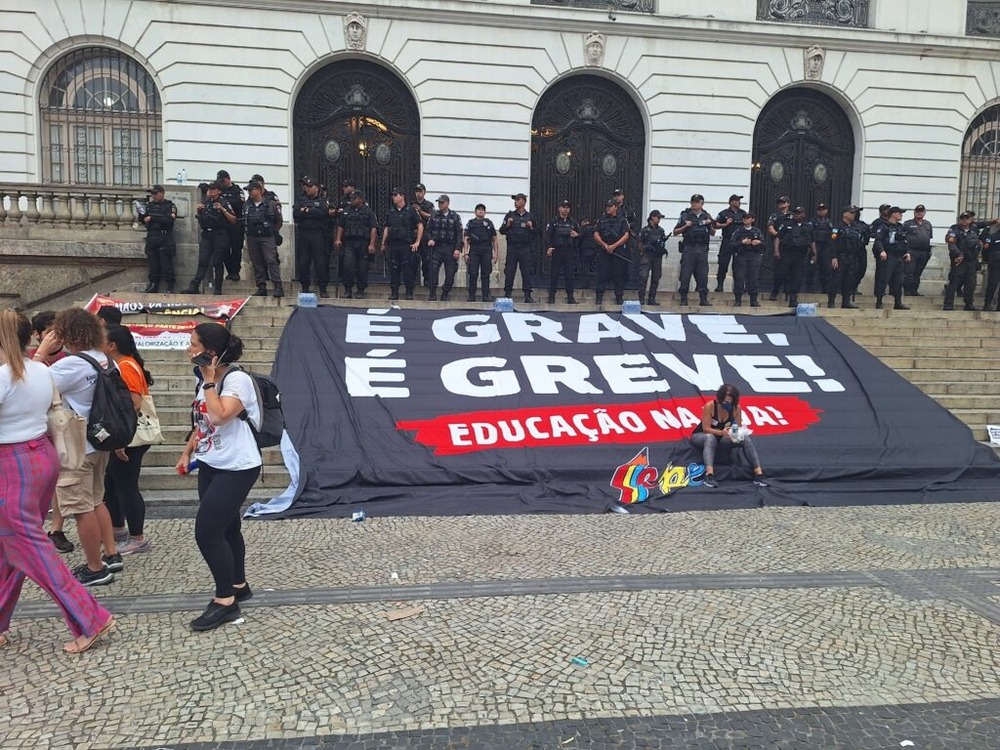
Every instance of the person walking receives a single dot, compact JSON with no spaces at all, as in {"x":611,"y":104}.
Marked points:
{"x":29,"y":469}
{"x":229,"y":463}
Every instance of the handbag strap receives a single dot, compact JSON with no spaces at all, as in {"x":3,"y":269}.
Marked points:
{"x":56,"y":398}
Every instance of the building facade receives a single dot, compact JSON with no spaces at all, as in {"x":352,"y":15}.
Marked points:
{"x":834,"y":101}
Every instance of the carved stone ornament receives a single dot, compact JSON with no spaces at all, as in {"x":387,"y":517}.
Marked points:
{"x":355,"y":31}
{"x":593,"y":49}
{"x":814,"y":57}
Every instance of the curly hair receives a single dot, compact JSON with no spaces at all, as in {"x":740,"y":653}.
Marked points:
{"x":727,"y":389}
{"x":78,"y":330}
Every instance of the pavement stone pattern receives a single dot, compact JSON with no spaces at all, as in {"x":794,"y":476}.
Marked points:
{"x":888,"y":637}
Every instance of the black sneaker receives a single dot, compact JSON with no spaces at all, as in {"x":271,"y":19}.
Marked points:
{"x":760,"y":481}
{"x":709,"y":481}
{"x":114,"y":562}
{"x":243,"y":594}
{"x":215,"y":614}
{"x":60,"y":542}
{"x":88,"y":577}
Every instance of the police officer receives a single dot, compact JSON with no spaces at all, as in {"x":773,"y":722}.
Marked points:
{"x":866,"y":237}
{"x":445,"y":247}
{"x":520,"y":227}
{"x":696,"y":226}
{"x":819,"y":271}
{"x":424,"y":209}
{"x":590,"y":253}
{"x":991,"y":255}
{"x":271,"y":197}
{"x":775,"y":221}
{"x":749,"y":242}
{"x":847,"y":247}
{"x":215,"y":216}
{"x":919,"y":233}
{"x":159,"y":219}
{"x":653,"y":246}
{"x":312,"y":216}
{"x":964,"y":246}
{"x":481,"y":251}
{"x":401,"y":240}
{"x":729,"y":220}
{"x":356,"y":235}
{"x":891,"y":254}
{"x":612,"y":235}
{"x":263,"y":220}
{"x":792,"y":246}
{"x":562,"y":245}
{"x":234,"y":195}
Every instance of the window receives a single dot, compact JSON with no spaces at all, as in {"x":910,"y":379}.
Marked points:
{"x":101,"y":121}
{"x":980,"y":187}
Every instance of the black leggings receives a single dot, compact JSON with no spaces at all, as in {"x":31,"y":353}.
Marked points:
{"x":121,"y":491}
{"x":217,"y":525}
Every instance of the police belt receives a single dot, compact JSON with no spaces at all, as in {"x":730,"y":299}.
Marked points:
{"x":159,"y":231}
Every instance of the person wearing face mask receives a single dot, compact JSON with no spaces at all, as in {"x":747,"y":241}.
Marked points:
{"x":714,"y":434}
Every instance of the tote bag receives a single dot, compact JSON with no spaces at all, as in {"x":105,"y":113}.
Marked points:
{"x":68,"y":433}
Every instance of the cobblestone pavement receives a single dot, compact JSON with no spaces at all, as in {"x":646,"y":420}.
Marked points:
{"x":789,"y":627}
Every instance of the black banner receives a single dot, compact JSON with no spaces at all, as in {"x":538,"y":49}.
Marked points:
{"x":449,"y":412}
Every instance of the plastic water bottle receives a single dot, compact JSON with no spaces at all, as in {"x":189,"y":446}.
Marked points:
{"x":308,"y":299}
{"x":734,"y":431}
{"x":184,"y":176}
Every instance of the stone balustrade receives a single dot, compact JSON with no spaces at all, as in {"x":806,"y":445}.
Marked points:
{"x":72,"y":207}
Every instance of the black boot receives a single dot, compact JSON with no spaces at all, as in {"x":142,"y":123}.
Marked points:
{"x":279,"y":290}
{"x":487,"y":294}
{"x":703,"y":300}
{"x":528,"y":298}
{"x":432,"y":297}
{"x":793,"y":300}
{"x":409,"y":294}
{"x":571,"y":300}
{"x":899,"y":304}
{"x":970,"y":308}
{"x":152,"y":287}
{"x":642,"y":299}
{"x":261,"y":291}
{"x":719,"y":285}
{"x":305,"y":288}
{"x":444,"y":295}
{"x":323,"y":293}
{"x":619,"y":299}
{"x":599,"y":298}
{"x":193,"y":288}
{"x":684,"y":299}
{"x":394,"y":293}
{"x":831,"y":300}
{"x":472,"y":295}
{"x":878,"y":303}
{"x":773,"y":296}
{"x":848,"y":305}
{"x":651,"y":301}
{"x":739,"y":301}
{"x":552,"y":298}
{"x":347,"y":294}
{"x":753,"y":301}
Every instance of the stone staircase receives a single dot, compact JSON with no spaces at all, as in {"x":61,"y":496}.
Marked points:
{"x":951,"y":356}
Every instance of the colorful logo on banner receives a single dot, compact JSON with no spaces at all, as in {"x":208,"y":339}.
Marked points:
{"x":637,"y":479}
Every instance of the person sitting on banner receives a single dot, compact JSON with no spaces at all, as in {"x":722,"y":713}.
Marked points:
{"x":718,"y":419}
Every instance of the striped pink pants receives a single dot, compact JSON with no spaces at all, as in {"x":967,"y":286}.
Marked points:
{"x":28,"y":473}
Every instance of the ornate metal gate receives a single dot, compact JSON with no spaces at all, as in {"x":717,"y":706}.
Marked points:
{"x":803,"y":147}
{"x":587,"y":138}
{"x":355,"y":119}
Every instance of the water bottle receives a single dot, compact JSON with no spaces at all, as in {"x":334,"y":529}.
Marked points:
{"x":734,"y":431}
{"x":184,"y":176}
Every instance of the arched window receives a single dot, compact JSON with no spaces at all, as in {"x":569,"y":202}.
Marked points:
{"x":100,"y":121}
{"x":980,"y":186}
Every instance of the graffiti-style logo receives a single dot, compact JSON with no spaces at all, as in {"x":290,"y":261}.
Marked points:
{"x":636,"y":479}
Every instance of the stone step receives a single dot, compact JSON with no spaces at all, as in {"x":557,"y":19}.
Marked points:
{"x":167,"y":453}
{"x":973,"y":401}
{"x":957,"y":389}
{"x":905,"y":363}
{"x":935,"y":350}
{"x":949,"y":377}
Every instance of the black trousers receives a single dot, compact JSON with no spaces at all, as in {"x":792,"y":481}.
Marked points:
{"x":650,"y":271}
{"x":403,"y":263}
{"x":862,"y":268}
{"x":518,"y":256}
{"x":889,"y":273}
{"x":121,"y":491}
{"x":727,"y":253}
{"x":354,"y":264}
{"x":612,"y":268}
{"x":914,"y":269}
{"x":263,"y":252}
{"x":820,"y":270}
{"x":961,"y":276}
{"x":794,"y":261}
{"x":312,"y":254}
{"x":694,"y":262}
{"x":234,"y":256}
{"x":563,"y":262}
{"x":217,"y":525}
{"x":992,"y":280}
{"x":843,"y":281}
{"x":212,"y":249}
{"x":442,"y":257}
{"x":160,"y":251}
{"x":746,"y":272}
{"x":480,"y":266}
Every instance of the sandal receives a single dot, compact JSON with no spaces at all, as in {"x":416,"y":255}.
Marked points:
{"x":83,"y":643}
{"x":4,"y":642}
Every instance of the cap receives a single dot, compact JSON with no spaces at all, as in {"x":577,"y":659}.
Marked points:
{"x":522,"y":196}
{"x":821,"y":206}
{"x":357,"y":194}
{"x":480,"y":206}
{"x":920,"y":207}
{"x":654,"y":212}
{"x":610,"y":202}
{"x":397,"y":191}
{"x":156,"y":189}
{"x":215,"y":185}
{"x":967,"y":215}
{"x":565,"y":203}
{"x":419,"y":186}
{"x":221,"y":174}
{"x":257,"y":178}
{"x":697,"y":197}
{"x":308,"y":181}
{"x":735,"y":197}
{"x":799,"y":210}
{"x":849,"y":210}
{"x":348,"y":183}
{"x":784,"y":199}
{"x":618,"y":191}
{"x":896,"y":210}
{"x":253,"y":186}
{"x":884,"y":206}
{"x":443,"y":199}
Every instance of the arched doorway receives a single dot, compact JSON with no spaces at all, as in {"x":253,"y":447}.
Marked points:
{"x":587,"y":138}
{"x":355,"y":119}
{"x":980,"y":180}
{"x":803,"y":148}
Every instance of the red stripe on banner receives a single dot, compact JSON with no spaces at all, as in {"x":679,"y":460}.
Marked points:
{"x":598,"y":424}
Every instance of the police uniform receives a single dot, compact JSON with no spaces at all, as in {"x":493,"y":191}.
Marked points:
{"x":847,"y":247}
{"x":890,"y":239}
{"x":565,"y":249}
{"x":357,"y":234}
{"x":480,"y":234}
{"x":520,"y":229}
{"x":263,"y":221}
{"x":729,"y":220}
{"x":401,"y":225}
{"x":964,"y":247}
{"x":445,"y":229}
{"x":795,"y":242}
{"x":866,"y":237}
{"x":425,"y":210}
{"x":653,"y":245}
{"x":312,"y":217}
{"x":991,"y":254}
{"x":873,"y":230}
{"x":213,"y":245}
{"x":748,"y":245}
{"x":694,"y":250}
{"x":234,"y":257}
{"x":613,"y":266}
{"x":779,"y":279}
{"x":159,"y":219}
{"x":919,"y":233}
{"x":820,"y":270}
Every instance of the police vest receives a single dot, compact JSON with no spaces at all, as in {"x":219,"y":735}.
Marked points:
{"x":162,"y":216}
{"x":654,"y":239}
{"x":356,"y":223}
{"x":699,"y":234}
{"x":445,"y":228}
{"x":561,"y":234}
{"x":317,"y":219}
{"x":480,"y":232}
{"x":402,"y":224}
{"x":260,"y":219}
{"x":211,"y":218}
{"x":797,"y":235}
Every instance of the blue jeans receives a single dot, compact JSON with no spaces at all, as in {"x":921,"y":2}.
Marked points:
{"x":710,"y":443}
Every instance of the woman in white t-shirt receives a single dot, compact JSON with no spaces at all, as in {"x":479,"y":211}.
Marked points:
{"x":29,"y":469}
{"x":228,"y":465}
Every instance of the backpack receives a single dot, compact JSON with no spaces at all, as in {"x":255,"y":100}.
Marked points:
{"x":113,"y":419}
{"x":269,"y":401}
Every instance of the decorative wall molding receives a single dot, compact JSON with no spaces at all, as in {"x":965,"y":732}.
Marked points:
{"x":983,"y":18}
{"x":632,"y":6}
{"x":846,"y":13}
